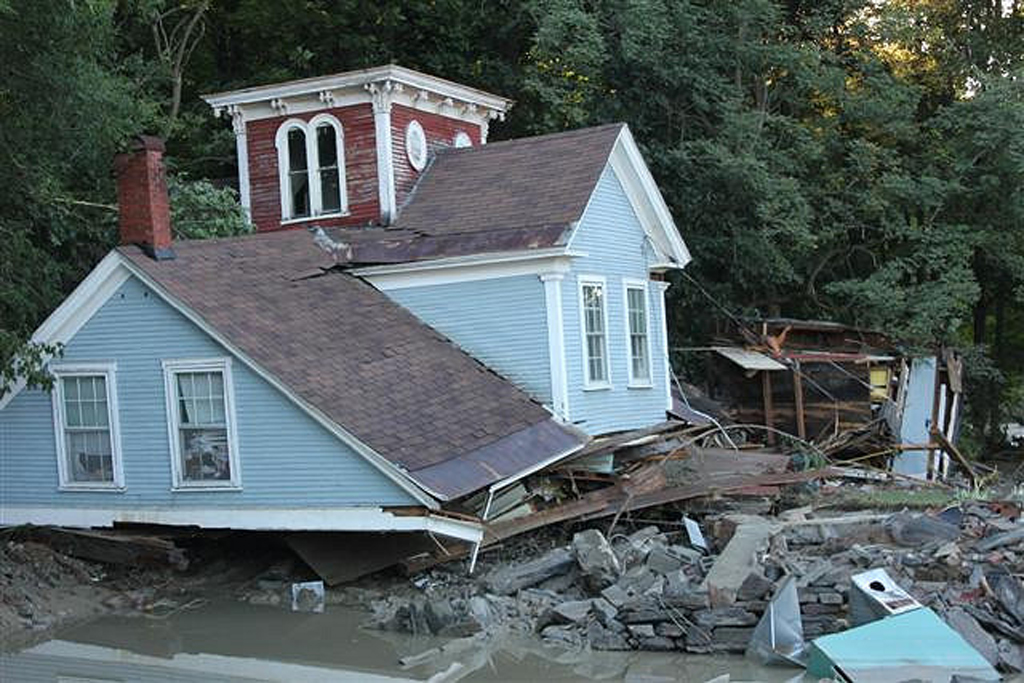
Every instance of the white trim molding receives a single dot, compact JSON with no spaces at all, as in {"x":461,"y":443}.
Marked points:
{"x":662,"y":286}
{"x":641,"y":285}
{"x":647,"y":201}
{"x":108,"y":371}
{"x":594,"y":281}
{"x":242,"y":156}
{"x":251,"y":518}
{"x":172,"y":368}
{"x":419,"y":90}
{"x":316,"y":200}
{"x":556,"y":344}
{"x":77,"y":309}
{"x":468,"y":268}
{"x":381,"y":96}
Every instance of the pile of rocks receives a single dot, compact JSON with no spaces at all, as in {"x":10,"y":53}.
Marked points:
{"x":652,"y":590}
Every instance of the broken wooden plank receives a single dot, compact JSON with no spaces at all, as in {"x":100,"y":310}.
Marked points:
{"x":110,"y":547}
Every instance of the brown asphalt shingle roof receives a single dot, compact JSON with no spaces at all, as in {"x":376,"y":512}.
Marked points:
{"x":503,"y":196}
{"x":362,"y":360}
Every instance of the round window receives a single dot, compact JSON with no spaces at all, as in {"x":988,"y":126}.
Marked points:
{"x":416,"y":145}
{"x":462,"y":139}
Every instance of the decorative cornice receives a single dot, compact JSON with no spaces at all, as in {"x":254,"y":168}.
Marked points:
{"x":327,"y":97}
{"x":279,"y":105}
{"x":237,"y":118}
{"x":382,"y":94}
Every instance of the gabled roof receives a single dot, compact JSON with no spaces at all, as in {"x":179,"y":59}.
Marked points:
{"x":430,"y":410}
{"x":518,"y":195}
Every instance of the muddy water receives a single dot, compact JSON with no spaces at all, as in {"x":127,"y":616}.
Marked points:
{"x":237,"y":642}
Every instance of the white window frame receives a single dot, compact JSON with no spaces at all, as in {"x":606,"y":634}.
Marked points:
{"x":637,"y":284}
{"x":588,"y":383}
{"x":171,"y":369}
{"x":312,"y":167}
{"x":109,"y":372}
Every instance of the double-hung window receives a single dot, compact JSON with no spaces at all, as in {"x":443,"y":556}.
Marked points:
{"x":201,"y":424}
{"x":594,"y":317}
{"x":311,"y":165}
{"x":85,"y":417}
{"x":638,"y":333}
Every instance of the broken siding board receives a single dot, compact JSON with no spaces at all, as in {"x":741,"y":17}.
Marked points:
{"x":286,"y":459}
{"x":614,"y":247}
{"x":501,"y":322}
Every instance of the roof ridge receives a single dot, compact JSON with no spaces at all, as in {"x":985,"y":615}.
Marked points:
{"x":573,"y":132}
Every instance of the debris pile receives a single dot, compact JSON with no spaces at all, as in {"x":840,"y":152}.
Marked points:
{"x":653,"y":589}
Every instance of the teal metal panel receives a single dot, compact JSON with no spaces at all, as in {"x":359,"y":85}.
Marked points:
{"x":916,"y":645}
{"x":286,"y":458}
{"x":616,"y":248}
{"x":501,"y":322}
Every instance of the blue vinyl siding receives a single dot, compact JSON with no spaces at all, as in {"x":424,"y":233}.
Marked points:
{"x":616,"y":248}
{"x":286,"y":458}
{"x":500,"y":322}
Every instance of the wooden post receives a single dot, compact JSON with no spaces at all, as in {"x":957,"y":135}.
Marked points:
{"x":798,"y":395}
{"x":769,"y":411}
{"x":933,"y":426}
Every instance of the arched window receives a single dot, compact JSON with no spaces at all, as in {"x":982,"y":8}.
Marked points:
{"x":311,"y":166}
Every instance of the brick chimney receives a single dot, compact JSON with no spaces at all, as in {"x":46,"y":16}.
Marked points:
{"x":144,"y":208}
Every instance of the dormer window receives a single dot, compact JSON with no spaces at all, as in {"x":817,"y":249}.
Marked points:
{"x":311,"y":163}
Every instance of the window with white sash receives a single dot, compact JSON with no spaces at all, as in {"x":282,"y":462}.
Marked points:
{"x":638,"y":333}
{"x":86,"y":422}
{"x":201,"y":424}
{"x":593,"y":324}
{"x":311,"y":167}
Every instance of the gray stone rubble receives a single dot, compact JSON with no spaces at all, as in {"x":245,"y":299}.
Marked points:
{"x":648,"y":589}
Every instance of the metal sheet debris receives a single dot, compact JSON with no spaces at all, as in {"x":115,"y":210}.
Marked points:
{"x":915,"y":645}
{"x":874,"y":595}
{"x":779,"y":637}
{"x":749,"y":360}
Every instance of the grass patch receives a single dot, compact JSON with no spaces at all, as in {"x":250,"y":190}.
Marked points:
{"x":895,"y":499}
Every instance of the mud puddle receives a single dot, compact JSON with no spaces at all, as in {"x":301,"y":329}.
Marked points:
{"x":231,"y":641}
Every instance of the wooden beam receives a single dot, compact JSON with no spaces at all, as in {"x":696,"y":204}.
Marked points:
{"x":769,"y":411}
{"x":798,"y":395}
{"x":934,"y":424}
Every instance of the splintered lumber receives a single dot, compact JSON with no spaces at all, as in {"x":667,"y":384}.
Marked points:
{"x":110,"y":547}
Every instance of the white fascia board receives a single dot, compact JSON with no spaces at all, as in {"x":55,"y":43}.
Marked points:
{"x":309,"y":89}
{"x":254,"y":519}
{"x":77,"y":309}
{"x":646,"y":198}
{"x":387,"y":468}
{"x":467,"y":268}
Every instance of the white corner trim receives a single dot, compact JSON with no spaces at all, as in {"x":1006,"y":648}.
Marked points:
{"x":109,"y":373}
{"x":661,"y":287}
{"x":598,"y":280}
{"x":628,"y":284}
{"x":556,"y":344}
{"x":381,"y":96}
{"x":653,"y":213}
{"x":171,"y":368}
{"x":382,"y":464}
{"x":252,"y":518}
{"x":242,"y":157}
{"x":77,"y":309}
{"x":467,"y":268}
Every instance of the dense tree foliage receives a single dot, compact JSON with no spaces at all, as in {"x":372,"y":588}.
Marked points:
{"x":846,"y":159}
